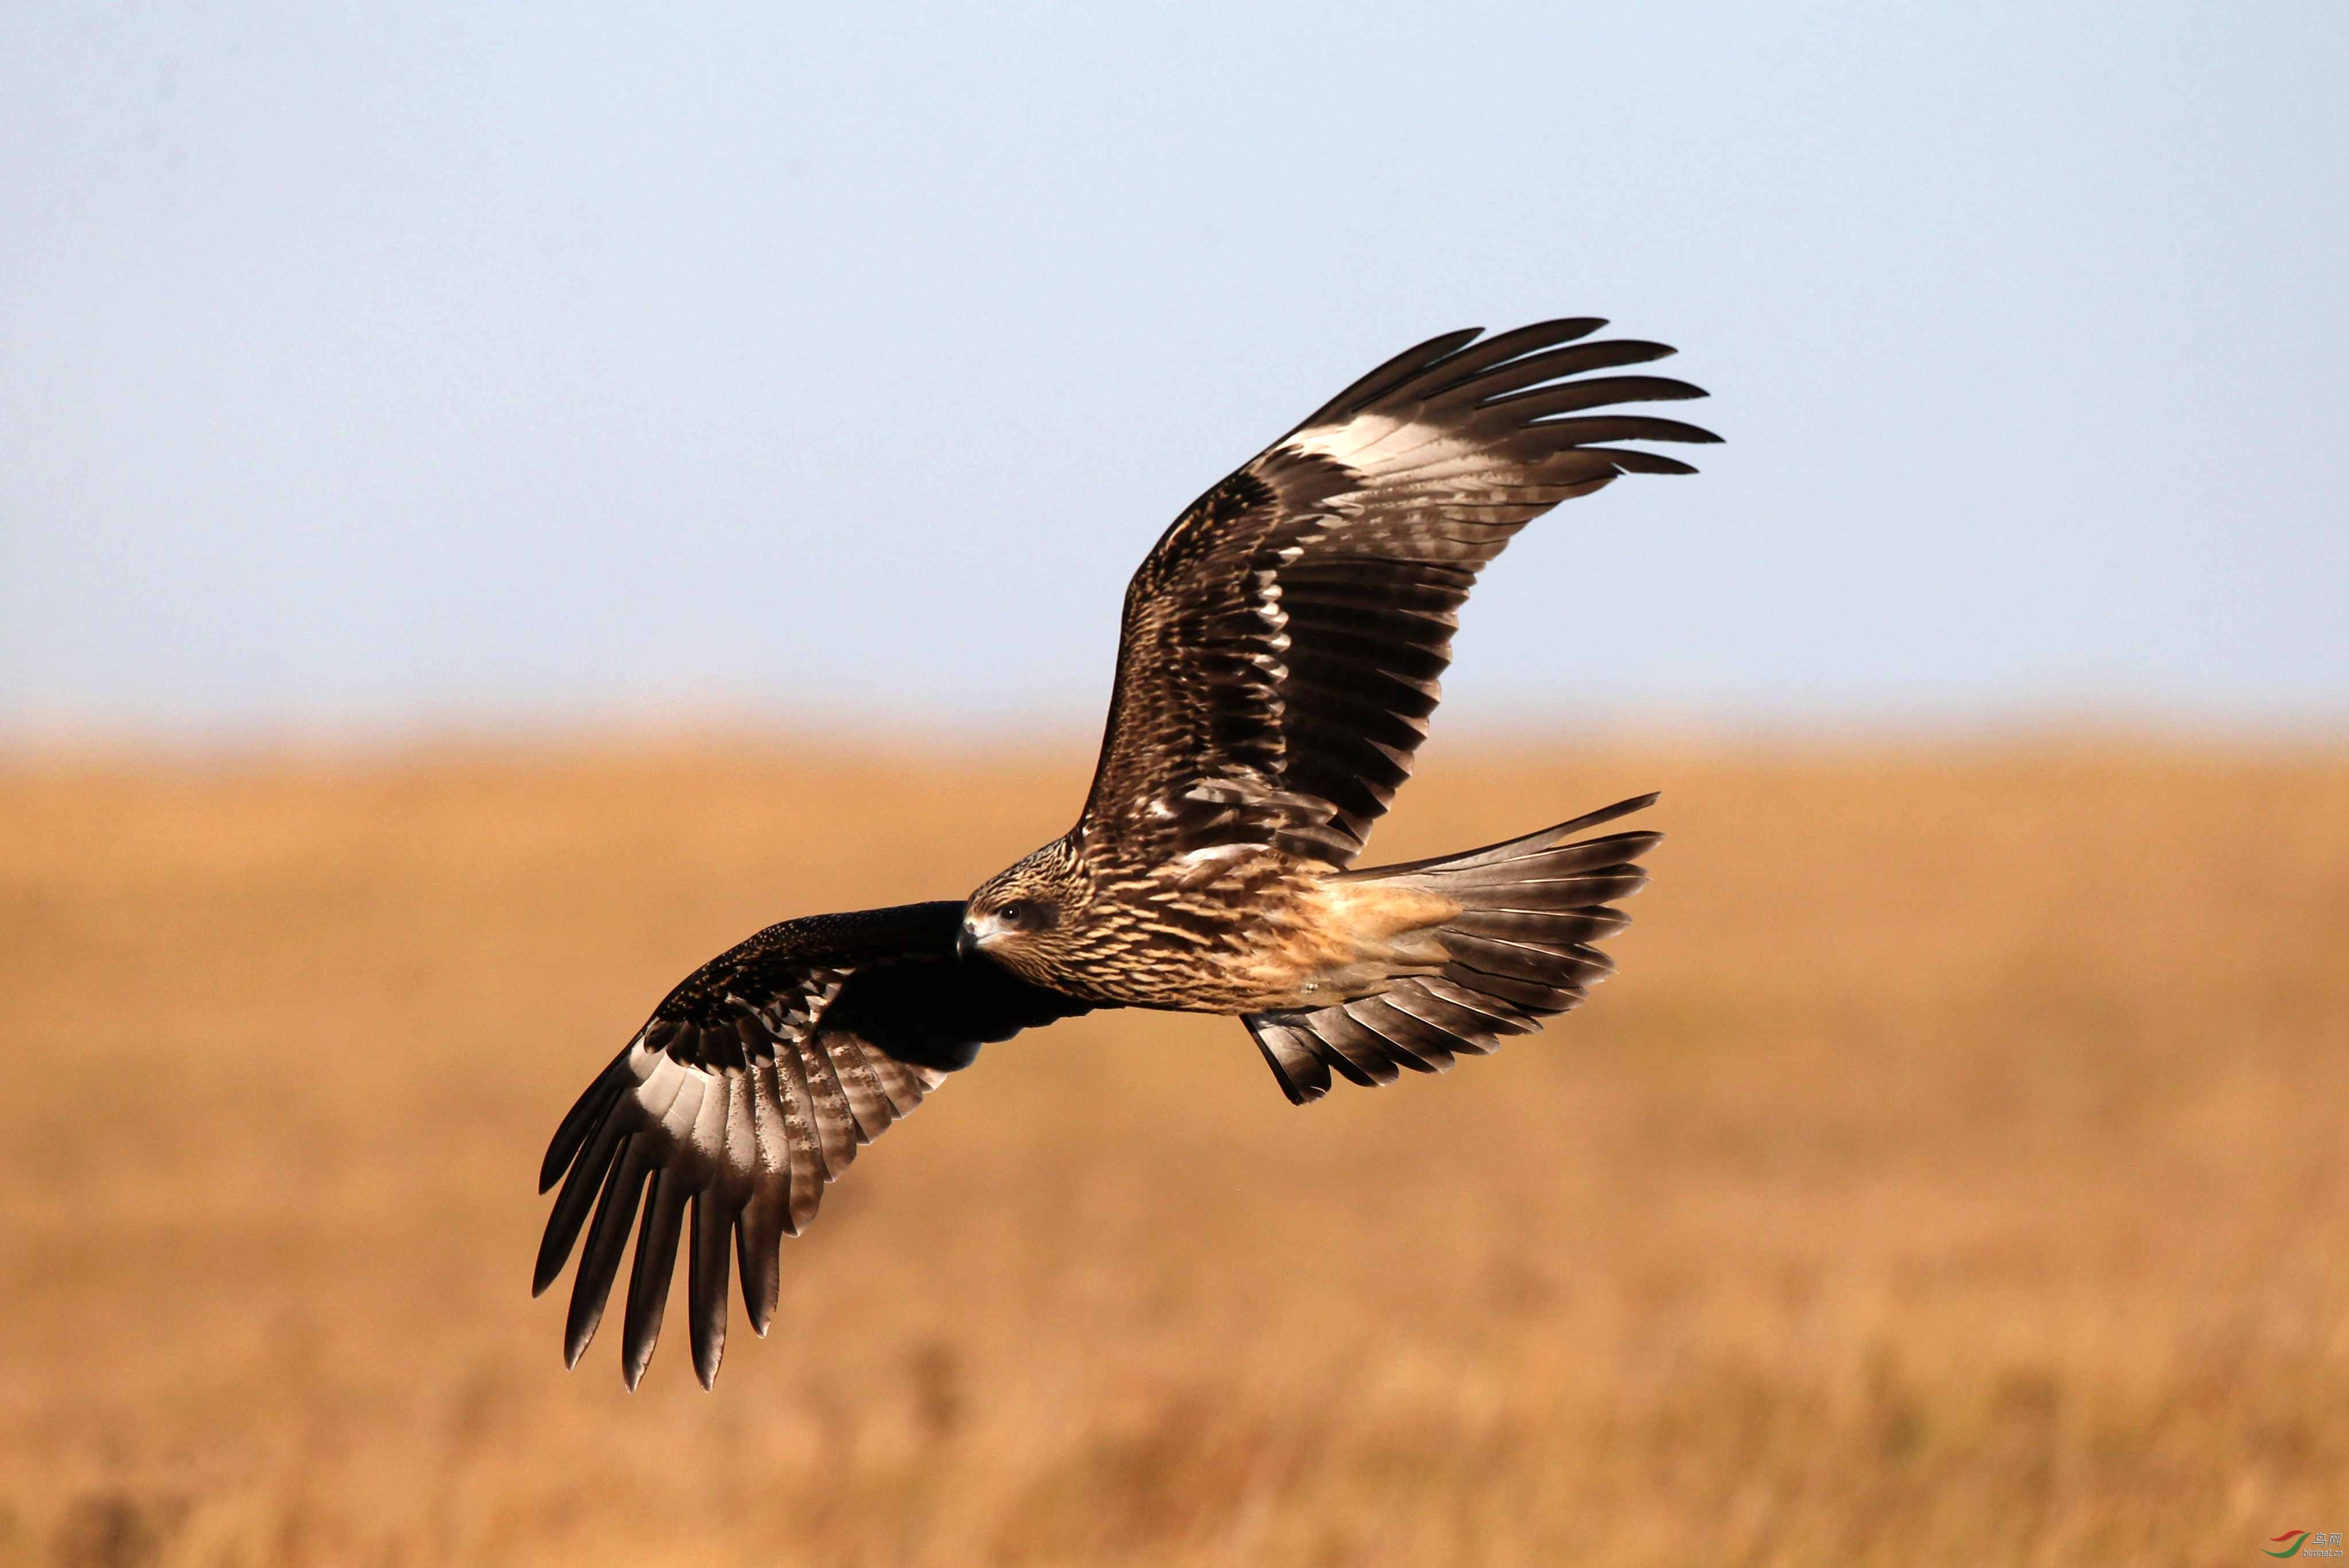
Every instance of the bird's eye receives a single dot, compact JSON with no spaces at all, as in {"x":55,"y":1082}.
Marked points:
{"x":1011,"y":914}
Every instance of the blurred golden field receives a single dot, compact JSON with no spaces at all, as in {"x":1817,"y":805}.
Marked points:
{"x":1955,"y":1175}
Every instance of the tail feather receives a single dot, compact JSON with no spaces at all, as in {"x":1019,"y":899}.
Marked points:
{"x":1519,"y":951}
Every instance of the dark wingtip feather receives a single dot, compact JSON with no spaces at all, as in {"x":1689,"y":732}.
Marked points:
{"x":586,"y":1113}
{"x":656,"y":1264}
{"x":1632,"y":462}
{"x":1542,"y":333}
{"x":761,"y":1292}
{"x":706,"y":1268}
{"x":757,"y":1253}
{"x":1474,"y":360}
{"x":607,"y":1239}
{"x":1587,"y":430}
{"x":1523,"y":386}
{"x":590,"y":1169}
{"x":1392,"y":372}
{"x":576,"y":1338}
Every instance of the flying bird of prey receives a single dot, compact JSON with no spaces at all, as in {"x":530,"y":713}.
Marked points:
{"x":1276,"y":668}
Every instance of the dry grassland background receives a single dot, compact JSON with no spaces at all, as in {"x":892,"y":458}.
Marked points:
{"x":1955,"y":1175}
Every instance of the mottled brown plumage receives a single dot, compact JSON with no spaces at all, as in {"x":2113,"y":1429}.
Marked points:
{"x":1279,"y":662}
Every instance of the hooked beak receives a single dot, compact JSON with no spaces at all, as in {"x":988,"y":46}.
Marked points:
{"x":966,"y":943}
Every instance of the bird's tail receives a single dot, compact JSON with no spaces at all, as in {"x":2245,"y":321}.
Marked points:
{"x":1520,"y":950}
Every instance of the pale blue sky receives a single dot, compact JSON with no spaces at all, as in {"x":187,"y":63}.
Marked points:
{"x":365,"y":369}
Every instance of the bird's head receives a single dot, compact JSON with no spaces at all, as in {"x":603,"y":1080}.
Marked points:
{"x":1021,"y":917}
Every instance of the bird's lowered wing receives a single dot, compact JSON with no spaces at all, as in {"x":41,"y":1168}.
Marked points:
{"x":749,"y":1087}
{"x":1281,"y":645}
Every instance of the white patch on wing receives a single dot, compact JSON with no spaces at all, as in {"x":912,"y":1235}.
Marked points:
{"x":685,"y":1108}
{"x":717,"y":1111}
{"x":661,"y":1087}
{"x":1369,"y":443}
{"x":644,"y":1058}
{"x":1217,"y":854}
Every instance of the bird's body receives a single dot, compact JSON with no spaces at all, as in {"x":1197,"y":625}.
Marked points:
{"x":1278,"y":664}
{"x":1249,"y":929}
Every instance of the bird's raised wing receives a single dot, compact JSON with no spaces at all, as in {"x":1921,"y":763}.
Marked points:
{"x":749,"y":1087}
{"x":1282,"y":644}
